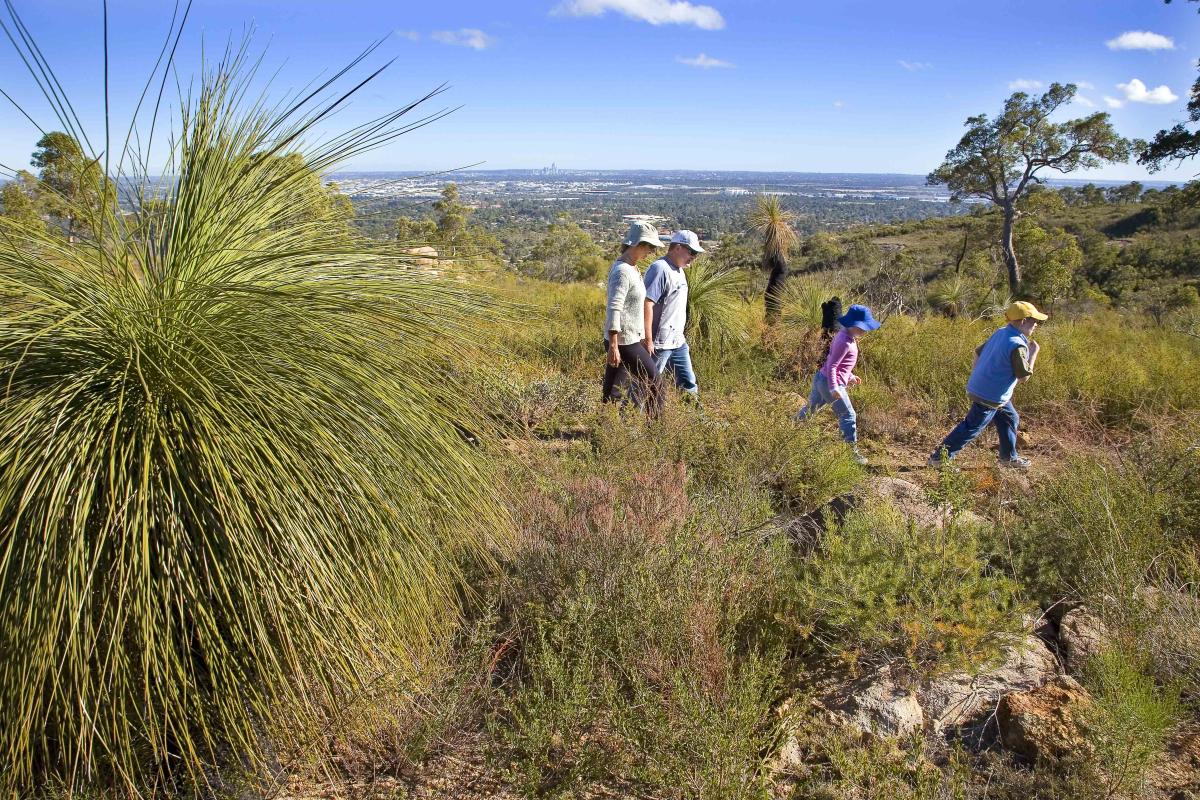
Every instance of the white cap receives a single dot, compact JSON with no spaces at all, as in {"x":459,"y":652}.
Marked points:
{"x":688,"y":239}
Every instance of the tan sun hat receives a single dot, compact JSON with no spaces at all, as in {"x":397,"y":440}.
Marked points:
{"x":1021,"y":310}
{"x":639,"y":232}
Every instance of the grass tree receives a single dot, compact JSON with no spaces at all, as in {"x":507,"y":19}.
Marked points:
{"x":1001,"y":159}
{"x":770,"y":220}
{"x":232,"y":490}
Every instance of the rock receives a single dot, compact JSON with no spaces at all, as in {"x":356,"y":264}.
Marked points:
{"x":907,"y":498}
{"x":1081,"y":635}
{"x":1044,"y":722}
{"x":879,"y":705}
{"x":962,"y":701}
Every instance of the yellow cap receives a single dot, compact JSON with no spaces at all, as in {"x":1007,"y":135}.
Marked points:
{"x":1020,"y":310}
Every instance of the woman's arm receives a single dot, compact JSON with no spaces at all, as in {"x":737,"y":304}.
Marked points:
{"x":618,"y":288}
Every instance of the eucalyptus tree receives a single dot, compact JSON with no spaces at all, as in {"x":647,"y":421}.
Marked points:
{"x":1001,"y":159}
{"x":71,"y":185}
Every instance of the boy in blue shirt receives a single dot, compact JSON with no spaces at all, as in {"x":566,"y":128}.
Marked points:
{"x":1003,"y":361}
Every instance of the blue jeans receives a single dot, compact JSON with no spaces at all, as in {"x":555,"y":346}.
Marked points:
{"x":679,"y":361}
{"x":839,"y":400}
{"x":1006,"y":419}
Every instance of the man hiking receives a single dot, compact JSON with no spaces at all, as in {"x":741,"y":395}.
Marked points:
{"x":666,"y":310}
{"x":1003,"y":361}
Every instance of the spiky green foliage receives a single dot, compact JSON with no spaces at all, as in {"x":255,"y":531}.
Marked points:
{"x":714,"y":312}
{"x":232,"y":488}
{"x":770,"y":220}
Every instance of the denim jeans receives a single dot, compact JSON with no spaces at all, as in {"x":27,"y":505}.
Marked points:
{"x":1006,"y":419}
{"x":679,"y":361}
{"x":839,"y":400}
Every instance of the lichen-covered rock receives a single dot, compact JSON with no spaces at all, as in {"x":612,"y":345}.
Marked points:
{"x":961,"y":700}
{"x":1044,"y":722}
{"x":1081,"y":635}
{"x":879,"y":705}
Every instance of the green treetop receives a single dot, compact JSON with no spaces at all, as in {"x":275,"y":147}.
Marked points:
{"x":71,"y":186}
{"x":1000,"y":159}
{"x":566,"y":253}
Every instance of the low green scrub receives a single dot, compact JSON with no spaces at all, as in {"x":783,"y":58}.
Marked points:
{"x":1121,"y":537}
{"x":843,"y":765}
{"x":883,"y":589}
{"x":1128,"y":722}
{"x":745,"y":447}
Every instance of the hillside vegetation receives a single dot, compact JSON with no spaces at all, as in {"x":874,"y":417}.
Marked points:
{"x":291,"y":511}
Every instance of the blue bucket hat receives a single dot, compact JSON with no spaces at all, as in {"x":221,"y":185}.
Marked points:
{"x":859,"y":317}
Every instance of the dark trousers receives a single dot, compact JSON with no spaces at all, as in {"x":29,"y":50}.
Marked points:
{"x":637,"y":365}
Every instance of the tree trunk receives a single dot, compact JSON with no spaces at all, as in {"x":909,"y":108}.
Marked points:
{"x":775,"y":284}
{"x":1010,"y":253}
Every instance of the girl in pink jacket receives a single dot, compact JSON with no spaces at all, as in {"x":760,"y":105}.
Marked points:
{"x":837,"y":374}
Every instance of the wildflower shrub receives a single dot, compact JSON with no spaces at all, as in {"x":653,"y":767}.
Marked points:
{"x":648,"y":654}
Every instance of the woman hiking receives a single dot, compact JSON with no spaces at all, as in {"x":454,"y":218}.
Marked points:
{"x":627,"y":342}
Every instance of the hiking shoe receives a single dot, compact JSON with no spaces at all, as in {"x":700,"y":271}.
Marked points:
{"x":858,"y":457}
{"x":1016,"y":462}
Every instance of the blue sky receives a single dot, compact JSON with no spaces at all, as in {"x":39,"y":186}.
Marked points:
{"x":841,"y":86}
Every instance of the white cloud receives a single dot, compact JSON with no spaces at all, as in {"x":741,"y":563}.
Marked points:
{"x":704,"y":62}
{"x":1136,"y":92}
{"x":412,"y":36}
{"x":1083,"y":85}
{"x":915,"y":66}
{"x":1113,"y":102}
{"x":464,"y":37}
{"x":656,"y":12}
{"x":1141,"y":40}
{"x":1083,"y":101}
{"x":1025,"y":84}
{"x":839,"y":103}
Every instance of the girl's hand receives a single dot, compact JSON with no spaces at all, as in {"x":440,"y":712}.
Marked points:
{"x":854,"y":381}
{"x":614,"y":356}
{"x":648,"y":343}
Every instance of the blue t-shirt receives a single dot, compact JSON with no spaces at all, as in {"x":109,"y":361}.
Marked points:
{"x":667,"y":288}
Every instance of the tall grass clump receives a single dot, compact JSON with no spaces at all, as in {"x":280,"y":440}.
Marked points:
{"x":232,"y":491}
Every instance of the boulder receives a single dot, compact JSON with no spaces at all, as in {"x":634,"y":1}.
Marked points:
{"x":1081,"y":635}
{"x":878,"y":705}
{"x":964,"y":702}
{"x":1044,"y":723}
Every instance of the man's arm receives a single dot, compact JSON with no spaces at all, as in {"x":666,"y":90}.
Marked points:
{"x":648,"y":312}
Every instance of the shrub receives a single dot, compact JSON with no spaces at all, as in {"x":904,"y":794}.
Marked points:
{"x":1128,"y":722}
{"x":1089,"y":534}
{"x":648,"y":652}
{"x":231,"y":483}
{"x":844,"y":765}
{"x":882,"y":589}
